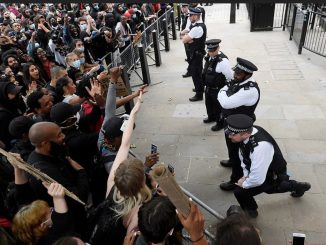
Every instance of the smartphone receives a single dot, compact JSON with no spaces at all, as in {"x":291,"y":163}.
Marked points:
{"x":153,"y":148}
{"x":298,"y":239}
{"x":171,"y":168}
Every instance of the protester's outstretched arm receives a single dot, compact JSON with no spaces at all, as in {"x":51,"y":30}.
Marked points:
{"x":124,"y":100}
{"x":125,"y":143}
{"x":20,"y":175}
{"x":110,"y":103}
{"x":56,"y":191}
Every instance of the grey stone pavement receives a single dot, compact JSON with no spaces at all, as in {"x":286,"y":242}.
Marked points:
{"x":292,"y":108}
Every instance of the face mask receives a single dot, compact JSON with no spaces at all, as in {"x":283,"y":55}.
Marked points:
{"x":82,"y":49}
{"x":54,"y":24}
{"x":76,"y":64}
{"x":32,"y":26}
{"x":82,"y":60}
{"x":16,"y":68}
{"x":83,"y":27}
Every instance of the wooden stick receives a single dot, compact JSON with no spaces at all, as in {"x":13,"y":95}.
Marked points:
{"x":36,"y":173}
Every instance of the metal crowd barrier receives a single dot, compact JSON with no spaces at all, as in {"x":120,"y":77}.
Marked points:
{"x":131,"y":56}
{"x":308,"y":28}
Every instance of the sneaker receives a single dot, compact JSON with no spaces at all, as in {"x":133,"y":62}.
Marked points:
{"x":301,"y":188}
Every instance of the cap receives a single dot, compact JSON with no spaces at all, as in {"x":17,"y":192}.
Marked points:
{"x":213,"y":44}
{"x":238,"y":123}
{"x":127,"y":14}
{"x":61,"y":111}
{"x":194,"y":11}
{"x":112,"y":128}
{"x":20,"y":125}
{"x":13,"y":89}
{"x":245,"y":65}
{"x":184,"y":4}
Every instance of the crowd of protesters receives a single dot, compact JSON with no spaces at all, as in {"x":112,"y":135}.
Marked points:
{"x":58,"y":113}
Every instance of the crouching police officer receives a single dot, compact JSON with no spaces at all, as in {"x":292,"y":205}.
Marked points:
{"x":217,"y":71}
{"x":262,"y":162}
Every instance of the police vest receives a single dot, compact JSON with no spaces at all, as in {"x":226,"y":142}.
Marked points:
{"x":278,"y":164}
{"x":212,"y":78}
{"x":247,"y":110}
{"x":198,"y":44}
{"x":184,"y":21}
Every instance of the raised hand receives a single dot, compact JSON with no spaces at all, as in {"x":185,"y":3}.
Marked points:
{"x":194,"y":223}
{"x":55,"y":190}
{"x":96,"y":88}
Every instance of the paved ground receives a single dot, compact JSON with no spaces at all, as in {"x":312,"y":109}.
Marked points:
{"x":292,"y":109}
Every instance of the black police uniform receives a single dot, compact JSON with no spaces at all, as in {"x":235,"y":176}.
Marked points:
{"x":230,"y":90}
{"x":213,"y":81}
{"x":196,"y":53}
{"x":276,"y":181}
{"x":184,"y":19}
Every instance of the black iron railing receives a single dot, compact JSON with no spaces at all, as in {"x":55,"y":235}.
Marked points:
{"x":308,"y":28}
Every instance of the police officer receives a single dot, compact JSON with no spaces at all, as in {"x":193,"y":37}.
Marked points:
{"x":185,"y":24}
{"x":241,"y":95}
{"x":195,"y":39}
{"x":264,"y":168}
{"x":217,"y":71}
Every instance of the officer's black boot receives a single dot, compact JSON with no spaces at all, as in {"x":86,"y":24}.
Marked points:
{"x":300,"y":188}
{"x":187,"y":74}
{"x":197,"y":97}
{"x":208,"y":120}
{"x":217,"y":127}
{"x":226,"y":163}
{"x":227,"y":186}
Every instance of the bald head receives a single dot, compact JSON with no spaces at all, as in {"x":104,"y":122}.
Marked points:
{"x":43,"y":131}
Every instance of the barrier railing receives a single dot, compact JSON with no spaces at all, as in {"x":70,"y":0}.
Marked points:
{"x":308,"y":29}
{"x":134,"y":55}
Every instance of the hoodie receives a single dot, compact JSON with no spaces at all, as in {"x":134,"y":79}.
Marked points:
{"x":9,"y":109}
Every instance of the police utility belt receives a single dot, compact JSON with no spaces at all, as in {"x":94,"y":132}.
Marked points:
{"x":198,"y":53}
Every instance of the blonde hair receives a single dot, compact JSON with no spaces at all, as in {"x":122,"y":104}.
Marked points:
{"x":26,"y":225}
{"x":67,"y":58}
{"x":126,"y":204}
{"x":130,"y":189}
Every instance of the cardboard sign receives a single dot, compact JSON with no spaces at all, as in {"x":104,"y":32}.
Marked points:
{"x":121,"y":88}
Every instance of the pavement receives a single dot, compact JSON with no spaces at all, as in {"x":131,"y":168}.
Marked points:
{"x":292,"y":108}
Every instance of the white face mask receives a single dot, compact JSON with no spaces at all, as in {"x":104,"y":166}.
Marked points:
{"x":83,"y":27}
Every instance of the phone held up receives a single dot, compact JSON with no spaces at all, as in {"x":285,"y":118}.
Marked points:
{"x":298,"y":239}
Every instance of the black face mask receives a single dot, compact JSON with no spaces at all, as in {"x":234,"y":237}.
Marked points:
{"x":58,"y":151}
{"x":16,"y":68}
{"x":54,"y":24}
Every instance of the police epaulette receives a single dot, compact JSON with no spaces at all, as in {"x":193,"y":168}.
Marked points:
{"x":253,"y":143}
